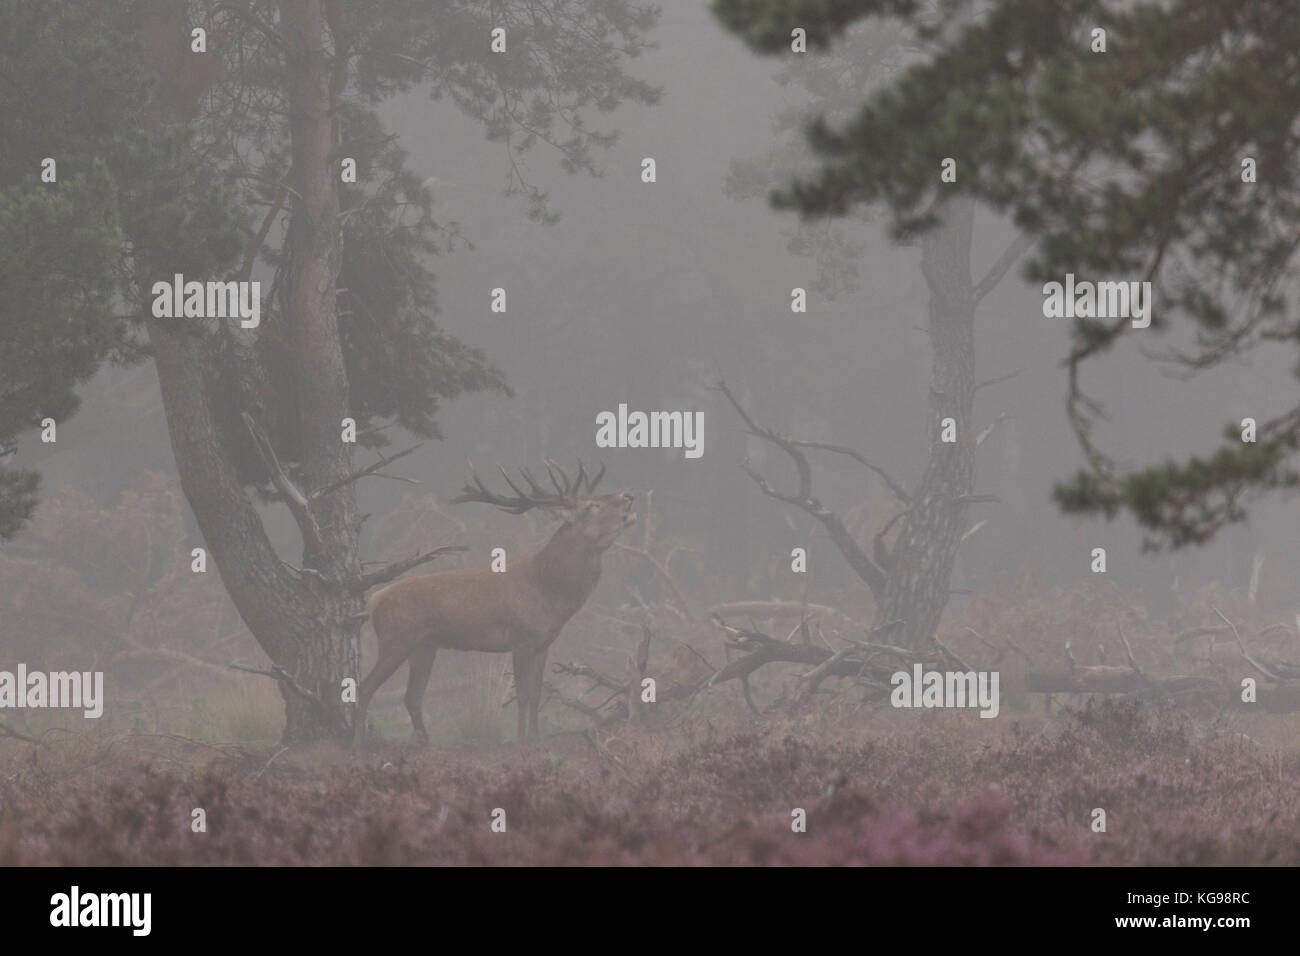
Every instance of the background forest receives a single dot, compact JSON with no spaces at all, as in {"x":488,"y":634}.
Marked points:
{"x":526,"y":174}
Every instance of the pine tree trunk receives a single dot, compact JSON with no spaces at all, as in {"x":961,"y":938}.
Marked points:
{"x":916,"y":589}
{"x":319,"y":665}
{"x":315,"y":245}
{"x":307,"y":621}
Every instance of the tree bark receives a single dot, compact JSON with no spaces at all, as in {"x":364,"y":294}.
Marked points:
{"x":308,"y":622}
{"x":315,"y":244}
{"x":921,"y":560}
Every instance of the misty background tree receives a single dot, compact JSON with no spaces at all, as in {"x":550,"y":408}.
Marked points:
{"x":1162,"y":148}
{"x":238,"y":174}
{"x":909,"y":575}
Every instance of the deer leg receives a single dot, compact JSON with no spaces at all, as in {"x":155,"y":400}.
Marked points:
{"x":522,"y":664}
{"x":389,"y":661}
{"x":416,"y":682}
{"x":536,"y":674}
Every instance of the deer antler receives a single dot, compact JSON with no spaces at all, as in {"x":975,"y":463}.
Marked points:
{"x":565,"y":495}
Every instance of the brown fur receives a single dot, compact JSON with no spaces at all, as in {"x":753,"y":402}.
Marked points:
{"x":520,"y":610}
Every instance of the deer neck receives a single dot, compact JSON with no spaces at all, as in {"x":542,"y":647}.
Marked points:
{"x":568,"y":567}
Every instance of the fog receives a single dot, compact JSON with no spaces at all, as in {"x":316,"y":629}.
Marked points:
{"x":648,"y":295}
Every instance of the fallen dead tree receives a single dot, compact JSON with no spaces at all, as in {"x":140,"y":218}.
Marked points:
{"x":866,"y":664}
{"x":870,"y":666}
{"x":1112,"y":679}
{"x":1280,"y":695}
{"x":1078,"y":678}
{"x":785,"y":609}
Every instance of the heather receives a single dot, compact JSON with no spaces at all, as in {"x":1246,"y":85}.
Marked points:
{"x":1174,"y":792}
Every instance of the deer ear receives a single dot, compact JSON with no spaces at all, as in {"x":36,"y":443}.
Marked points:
{"x":565,"y":513}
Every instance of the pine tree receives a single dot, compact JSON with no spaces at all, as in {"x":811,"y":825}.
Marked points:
{"x":251,"y":132}
{"x":1125,"y":164}
{"x":61,"y":224}
{"x":910,"y":577}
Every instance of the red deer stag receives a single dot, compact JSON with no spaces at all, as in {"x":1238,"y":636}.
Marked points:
{"x":521,"y":610}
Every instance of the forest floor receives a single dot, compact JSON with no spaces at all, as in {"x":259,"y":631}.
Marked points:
{"x":946,"y":789}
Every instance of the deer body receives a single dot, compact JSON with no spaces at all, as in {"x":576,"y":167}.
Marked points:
{"x":520,"y":610}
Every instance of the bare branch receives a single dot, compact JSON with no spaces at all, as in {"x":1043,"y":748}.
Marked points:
{"x":259,"y":239}
{"x":369,"y":470}
{"x":762,"y":609}
{"x":659,"y":568}
{"x":298,"y":504}
{"x":790,"y":448}
{"x":879,"y":551}
{"x":979,"y":439}
{"x":862,"y":565}
{"x":761,"y":650}
{"x":1128,"y":649}
{"x":1019,"y":246}
{"x":1195,"y":632}
{"x":397,"y":569}
{"x":957,"y":660}
{"x":1242,"y":647}
{"x":997,"y":380}
{"x":812,"y":680}
{"x":278,"y":673}
{"x":10,"y":732}
{"x":583,"y":670}
{"x":893,"y":485}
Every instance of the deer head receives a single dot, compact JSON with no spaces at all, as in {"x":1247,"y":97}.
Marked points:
{"x":596,"y":520}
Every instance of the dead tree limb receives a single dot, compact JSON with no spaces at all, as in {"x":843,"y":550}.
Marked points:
{"x":1018,"y":247}
{"x":660,"y":568}
{"x":1128,"y":649}
{"x":298,"y":504}
{"x":1010,"y":643}
{"x":951,"y":656}
{"x":895,"y":487}
{"x":803,"y":499}
{"x":383,"y":575}
{"x":775,"y":608}
{"x":8,"y":731}
{"x":1242,"y":647}
{"x":760,"y":649}
{"x":812,"y":680}
{"x":989,"y":382}
{"x":278,"y":673}
{"x":368,"y":470}
{"x":989,"y":429}
{"x":1078,"y":678}
{"x":1195,"y":632}
{"x":596,"y":677}
{"x":878,"y":549}
{"x":250,"y":254}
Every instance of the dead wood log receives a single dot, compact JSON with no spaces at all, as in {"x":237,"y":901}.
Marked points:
{"x":787,"y":609}
{"x":1112,"y":679}
{"x":1076,"y":678}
